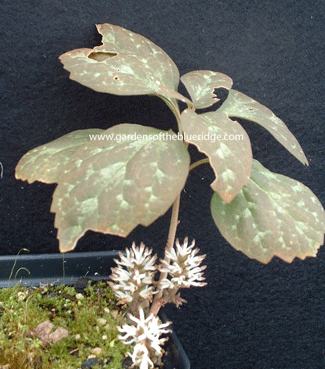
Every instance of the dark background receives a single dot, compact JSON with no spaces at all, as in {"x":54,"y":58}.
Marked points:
{"x":250,"y":316}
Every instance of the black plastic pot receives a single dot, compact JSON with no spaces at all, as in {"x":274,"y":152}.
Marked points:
{"x":30,"y":270}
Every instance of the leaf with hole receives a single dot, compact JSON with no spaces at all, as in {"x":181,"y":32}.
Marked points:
{"x":238,"y":105}
{"x":227,"y":145}
{"x":125,"y":64}
{"x":45,"y":163}
{"x":273,"y":215}
{"x":201,"y":85}
{"x":114,"y":184}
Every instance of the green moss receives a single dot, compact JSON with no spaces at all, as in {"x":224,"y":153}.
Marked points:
{"x":22,"y":310}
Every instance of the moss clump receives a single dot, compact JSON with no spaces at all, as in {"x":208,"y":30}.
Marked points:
{"x":90,"y":319}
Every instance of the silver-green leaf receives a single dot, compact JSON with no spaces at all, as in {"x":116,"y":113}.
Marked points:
{"x":272,"y":215}
{"x":201,"y":84}
{"x":125,"y":64}
{"x":45,"y":163}
{"x":129,"y":177}
{"x":226,"y":144}
{"x":238,"y":105}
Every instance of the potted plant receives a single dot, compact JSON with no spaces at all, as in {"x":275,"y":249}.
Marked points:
{"x":113,"y":180}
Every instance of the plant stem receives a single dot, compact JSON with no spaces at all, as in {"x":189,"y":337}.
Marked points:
{"x":158,"y":301}
{"x":199,"y":162}
{"x":173,"y":225}
{"x":12,"y":269}
{"x":175,"y":109}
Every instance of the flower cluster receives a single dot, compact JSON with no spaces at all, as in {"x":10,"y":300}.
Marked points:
{"x":183,"y":266}
{"x":134,"y":285}
{"x":145,"y":336}
{"x":133,"y":277}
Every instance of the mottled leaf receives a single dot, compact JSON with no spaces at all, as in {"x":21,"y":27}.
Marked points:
{"x":226,"y":144}
{"x":272,"y":215}
{"x":114,"y":184}
{"x":238,"y":105}
{"x":201,"y":84}
{"x":45,"y":163}
{"x":125,"y":64}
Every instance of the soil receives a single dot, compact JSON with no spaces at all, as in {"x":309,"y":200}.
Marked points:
{"x":61,"y":327}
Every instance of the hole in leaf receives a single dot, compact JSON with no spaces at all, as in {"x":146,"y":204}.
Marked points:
{"x":222,"y":94}
{"x":100,"y":56}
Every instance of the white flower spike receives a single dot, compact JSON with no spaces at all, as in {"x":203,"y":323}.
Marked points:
{"x":145,"y":335}
{"x":184,"y":266}
{"x":133,"y":284}
{"x":133,"y":277}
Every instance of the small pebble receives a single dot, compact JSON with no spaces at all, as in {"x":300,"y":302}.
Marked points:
{"x":101,"y":321}
{"x":59,"y":334}
{"x":21,"y":296}
{"x":96,"y":351}
{"x":81,"y":284}
{"x":127,"y":362}
{"x":114,"y":314}
{"x":89,"y":363}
